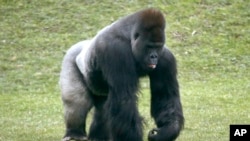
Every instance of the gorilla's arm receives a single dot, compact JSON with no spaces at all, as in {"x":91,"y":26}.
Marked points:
{"x":166,"y":107}
{"x":120,"y":73}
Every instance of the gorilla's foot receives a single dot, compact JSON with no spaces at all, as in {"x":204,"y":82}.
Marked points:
{"x":83,"y":138}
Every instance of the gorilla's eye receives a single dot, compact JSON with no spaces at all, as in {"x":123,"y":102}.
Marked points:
{"x":156,"y":45}
{"x":136,"y":36}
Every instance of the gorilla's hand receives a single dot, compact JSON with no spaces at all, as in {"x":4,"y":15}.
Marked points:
{"x":162,"y":134}
{"x":152,"y":135}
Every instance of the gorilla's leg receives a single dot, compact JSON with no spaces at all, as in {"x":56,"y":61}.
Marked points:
{"x":98,"y":129}
{"x":75,"y":96}
{"x":76,"y":110}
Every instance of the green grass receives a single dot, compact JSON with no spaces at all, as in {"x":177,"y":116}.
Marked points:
{"x":210,"y":39}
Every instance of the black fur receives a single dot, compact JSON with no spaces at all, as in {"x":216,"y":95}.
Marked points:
{"x":104,"y":72}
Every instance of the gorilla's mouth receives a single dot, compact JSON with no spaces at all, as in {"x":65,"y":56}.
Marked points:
{"x":152,"y":66}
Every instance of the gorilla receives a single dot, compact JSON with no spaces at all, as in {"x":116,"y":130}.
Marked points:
{"x":104,"y":73}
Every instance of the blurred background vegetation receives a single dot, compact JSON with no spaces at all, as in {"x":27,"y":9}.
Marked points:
{"x":210,"y":39}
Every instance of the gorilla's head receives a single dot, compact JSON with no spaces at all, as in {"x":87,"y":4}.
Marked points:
{"x":148,"y":39}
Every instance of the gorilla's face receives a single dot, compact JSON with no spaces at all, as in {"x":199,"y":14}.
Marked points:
{"x":151,"y":57}
{"x":146,"y":52}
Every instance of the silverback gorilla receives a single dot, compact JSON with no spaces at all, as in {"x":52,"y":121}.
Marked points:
{"x":104,"y":73}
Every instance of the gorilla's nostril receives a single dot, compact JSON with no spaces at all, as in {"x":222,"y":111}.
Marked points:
{"x":153,"y":56}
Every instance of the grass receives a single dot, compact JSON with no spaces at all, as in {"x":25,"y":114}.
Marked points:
{"x":210,"y":39}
